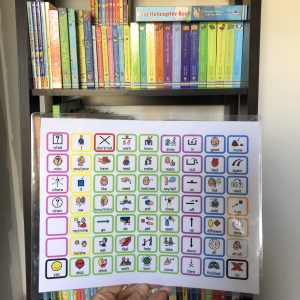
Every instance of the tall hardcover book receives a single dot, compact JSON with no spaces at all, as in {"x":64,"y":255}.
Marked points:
{"x":115,"y":34}
{"x":44,"y":42}
{"x":238,"y":53}
{"x":159,"y":53}
{"x":107,"y":13}
{"x":151,"y":64}
{"x":118,"y":11}
{"x":176,"y":56}
{"x":194,"y":62}
{"x":185,"y":54}
{"x":55,"y":48}
{"x":64,"y":48}
{"x":92,"y":6}
{"x":220,"y":60}
{"x":105,"y":55}
{"x":114,"y":11}
{"x":203,"y":54}
{"x":99,"y":12}
{"x":125,"y":11}
{"x":121,"y":55}
{"x":143,"y":54}
{"x":81,"y":49}
{"x":103,"y":10}
{"x":127,"y":55}
{"x":99,"y":56}
{"x":110,"y":12}
{"x":96,"y":4}
{"x":88,"y":42}
{"x":110,"y":56}
{"x":168,"y":44}
{"x":229,"y":49}
{"x":96,"y":82}
{"x":121,"y":11}
{"x":212,"y":54}
{"x":73,"y":48}
{"x":135,"y":55}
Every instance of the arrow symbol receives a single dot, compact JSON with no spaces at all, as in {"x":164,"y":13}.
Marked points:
{"x":103,"y":221}
{"x":191,"y":219}
{"x":191,"y":244}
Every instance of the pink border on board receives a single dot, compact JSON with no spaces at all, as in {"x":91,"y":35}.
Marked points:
{"x":58,"y":233}
{"x":55,"y":192}
{"x":56,"y":196}
{"x":56,"y":154}
{"x":59,"y":150}
{"x":59,"y":255}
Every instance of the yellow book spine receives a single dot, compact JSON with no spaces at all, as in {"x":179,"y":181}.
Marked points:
{"x":135,"y":56}
{"x":127,"y":54}
{"x":121,"y":11}
{"x":150,"y":42}
{"x":105,"y":55}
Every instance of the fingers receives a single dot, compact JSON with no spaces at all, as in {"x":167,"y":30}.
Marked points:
{"x":136,"y":292}
{"x":162,"y":294}
{"x":124,"y":294}
{"x":108,"y":293}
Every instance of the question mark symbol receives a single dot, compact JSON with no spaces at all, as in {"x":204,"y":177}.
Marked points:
{"x":57,"y":138}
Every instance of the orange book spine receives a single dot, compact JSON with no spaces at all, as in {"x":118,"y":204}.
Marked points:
{"x":159,"y":53}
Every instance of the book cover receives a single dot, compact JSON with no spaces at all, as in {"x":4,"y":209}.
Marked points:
{"x":96,"y":4}
{"x":96,"y":78}
{"x":92,"y":6}
{"x":81,"y":49}
{"x":208,"y":295}
{"x":31,"y":41}
{"x":88,"y":42}
{"x":73,"y":48}
{"x":229,"y":49}
{"x":64,"y":48}
{"x":121,"y":55}
{"x":176,"y":55}
{"x":107,"y":14}
{"x":100,"y":12}
{"x":185,"y":294}
{"x":194,"y":61}
{"x":121,"y":11}
{"x":114,"y":11}
{"x":125,"y":11}
{"x":110,"y":56}
{"x":127,"y":55}
{"x":55,"y":48}
{"x":168,"y":43}
{"x":44,"y":42}
{"x":105,"y":55}
{"x":185,"y":54}
{"x":110,"y":12}
{"x":135,"y":56}
{"x":143,"y":54}
{"x":151,"y":64}
{"x":220,"y":60}
{"x":115,"y":34}
{"x":159,"y":53}
{"x":99,"y":56}
{"x":212,"y":54}
{"x":203,"y":54}
{"x":238,"y":53}
{"x":103,"y":12}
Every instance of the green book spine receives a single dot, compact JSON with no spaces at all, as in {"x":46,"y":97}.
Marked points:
{"x":229,"y":54}
{"x":96,"y":12}
{"x":143,"y":54}
{"x":64,"y":48}
{"x":203,"y":55}
{"x":135,"y":56}
{"x":212,"y":54}
{"x":220,"y":61}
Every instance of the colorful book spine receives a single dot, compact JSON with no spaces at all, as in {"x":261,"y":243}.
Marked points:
{"x":32,"y":49}
{"x":92,"y":5}
{"x":88,"y":42}
{"x":168,"y":44}
{"x":103,"y":11}
{"x":125,"y":11}
{"x":105,"y":55}
{"x":121,"y":55}
{"x":176,"y":56}
{"x":107,"y":21}
{"x":99,"y":12}
{"x":135,"y":56}
{"x":110,"y":56}
{"x":81,"y":49}
{"x":143,"y":54}
{"x":121,"y":11}
{"x":151,"y":64}
{"x":47,"y":6}
{"x":55,"y":48}
{"x":159,"y":53}
{"x":212,"y":54}
{"x":114,"y":11}
{"x":44,"y":42}
{"x":118,"y":11}
{"x":185,"y":55}
{"x":220,"y":60}
{"x":64,"y":48}
{"x":185,"y":295}
{"x":127,"y":55}
{"x":194,"y":61}
{"x":229,"y":52}
{"x":203,"y":54}
{"x":99,"y":56}
{"x":115,"y":34}
{"x":96,"y":12}
{"x":110,"y":12}
{"x":73,"y":48}
{"x":208,"y":295}
{"x":96,"y":83}
{"x":238,"y":53}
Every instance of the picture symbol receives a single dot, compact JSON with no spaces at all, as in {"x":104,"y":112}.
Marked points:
{"x":237,"y":162}
{"x":104,"y":140}
{"x":57,"y":202}
{"x":57,"y":181}
{"x":149,"y":242}
{"x":168,"y":242}
{"x":193,"y":142}
{"x":57,"y":139}
{"x":214,"y":265}
{"x":237,"y":266}
{"x":148,"y":141}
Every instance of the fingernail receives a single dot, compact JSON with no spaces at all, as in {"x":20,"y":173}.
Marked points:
{"x":166,"y":289}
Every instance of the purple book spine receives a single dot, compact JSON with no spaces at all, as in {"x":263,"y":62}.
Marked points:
{"x":168,"y":41}
{"x":185,"y":54}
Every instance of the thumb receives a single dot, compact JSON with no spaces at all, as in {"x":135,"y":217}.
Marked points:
{"x":141,"y":292}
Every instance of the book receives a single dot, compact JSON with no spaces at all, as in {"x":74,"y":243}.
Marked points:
{"x":176,"y":55}
{"x":121,"y":54}
{"x":115,"y":35}
{"x":194,"y":61}
{"x":88,"y":42}
{"x":96,"y":79}
{"x":110,"y":12}
{"x":151,"y":64}
{"x":110,"y":56}
{"x":107,"y":13}
{"x":99,"y":56}
{"x":92,"y":5}
{"x":135,"y":56}
{"x":45,"y":47}
{"x":212,"y":54}
{"x":103,"y":12}
{"x":203,"y":54}
{"x":64,"y":48}
{"x":185,"y":54}
{"x":55,"y":48}
{"x":238,"y":53}
{"x":220,"y":59}
{"x":105,"y":55}
{"x":125,"y":11}
{"x":118,"y":11}
{"x":167,"y":50}
{"x":114,"y":11}
{"x":121,"y":8}
{"x":96,"y":19}
{"x":229,"y":52}
{"x":143,"y":54}
{"x":73,"y":48}
{"x":159,"y":53}
{"x":127,"y":55}
{"x":81,"y":49}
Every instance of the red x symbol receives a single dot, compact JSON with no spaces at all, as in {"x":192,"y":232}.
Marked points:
{"x":237,"y":267}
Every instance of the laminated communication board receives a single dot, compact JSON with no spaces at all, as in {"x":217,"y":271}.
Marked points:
{"x":159,"y":202}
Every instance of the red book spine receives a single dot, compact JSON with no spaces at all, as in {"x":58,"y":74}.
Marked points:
{"x":99,"y":56}
{"x":107,"y":18}
{"x":110,"y":56}
{"x":92,"y":4}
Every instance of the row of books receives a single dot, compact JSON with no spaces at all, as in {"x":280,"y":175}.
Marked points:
{"x":109,"y":12}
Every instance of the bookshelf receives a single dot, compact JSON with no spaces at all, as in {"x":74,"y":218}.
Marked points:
{"x":240,"y":101}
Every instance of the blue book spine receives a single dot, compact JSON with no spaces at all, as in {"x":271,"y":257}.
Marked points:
{"x":185,"y":54}
{"x":116,"y":55}
{"x":44,"y":43}
{"x":238,"y":54}
{"x":176,"y":55}
{"x":73,"y":48}
{"x":194,"y":62}
{"x":88,"y":42}
{"x":121,"y":55}
{"x":103,"y":11}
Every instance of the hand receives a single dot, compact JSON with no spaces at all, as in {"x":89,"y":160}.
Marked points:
{"x":132,"y":292}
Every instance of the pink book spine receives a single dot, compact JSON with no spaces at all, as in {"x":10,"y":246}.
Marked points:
{"x":110,"y":56}
{"x":99,"y":56}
